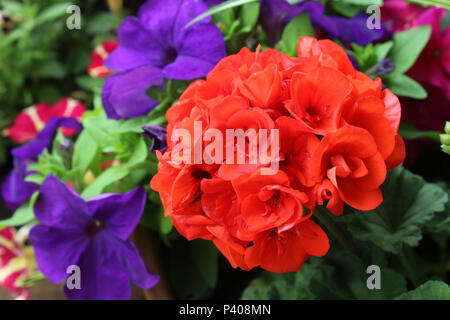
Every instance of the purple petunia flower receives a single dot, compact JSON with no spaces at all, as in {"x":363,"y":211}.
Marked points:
{"x":157,"y":45}
{"x":275,"y":14}
{"x":158,"y":134}
{"x":93,"y":236}
{"x":16,"y":191}
{"x":349,"y":29}
{"x":212,"y":2}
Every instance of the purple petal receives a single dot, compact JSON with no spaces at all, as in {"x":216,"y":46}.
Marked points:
{"x":125,"y":96}
{"x":101,"y":276}
{"x":136,"y":48}
{"x":158,"y":135}
{"x":212,"y":2}
{"x":275,"y":14}
{"x":44,"y":139}
{"x":131,"y":260}
{"x":120,"y":213}
{"x":56,"y":249}
{"x":186,"y":68}
{"x":164,"y":19}
{"x":349,"y":29}
{"x":59,"y":206}
{"x":107,"y":267}
{"x":200,"y":45}
{"x":15,"y":190}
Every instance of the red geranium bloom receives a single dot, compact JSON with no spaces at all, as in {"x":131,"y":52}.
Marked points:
{"x":288,"y":250}
{"x":317,"y":98}
{"x":350,"y":159}
{"x":338,"y":135}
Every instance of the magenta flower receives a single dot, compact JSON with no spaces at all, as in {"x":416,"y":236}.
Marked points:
{"x":433,"y":64}
{"x":157,"y":45}
{"x":398,"y":15}
{"x":93,"y":236}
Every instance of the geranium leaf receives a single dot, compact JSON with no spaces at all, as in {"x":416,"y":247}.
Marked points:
{"x":340,"y":275}
{"x":404,"y":86}
{"x":409,"y":202}
{"x":407,"y":47}
{"x":430,"y":290}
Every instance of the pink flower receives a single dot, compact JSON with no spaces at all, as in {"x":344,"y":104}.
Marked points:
{"x":398,"y":15}
{"x":433,"y":64}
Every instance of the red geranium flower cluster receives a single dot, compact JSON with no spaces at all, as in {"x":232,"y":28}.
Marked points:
{"x":30,"y":121}
{"x":338,"y":135}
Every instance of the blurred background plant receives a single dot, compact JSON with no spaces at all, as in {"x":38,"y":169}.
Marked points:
{"x":42,"y":60}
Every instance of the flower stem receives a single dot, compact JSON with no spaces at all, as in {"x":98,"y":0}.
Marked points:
{"x":321,"y":213}
{"x":408,"y":268}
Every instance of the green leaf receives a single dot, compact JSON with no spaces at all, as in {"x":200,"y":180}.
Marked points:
{"x":23,"y":215}
{"x":193,"y":268}
{"x":441,"y":3}
{"x":102,"y":23}
{"x":219,"y":8}
{"x":430,"y":290}
{"x":407,"y":47}
{"x":382,"y":50}
{"x":52,"y":69}
{"x":299,"y":26}
{"x":133,"y":125}
{"x":249,"y":14}
{"x":409,"y":132}
{"x":53,"y":12}
{"x":90,"y":84}
{"x":49,"y":14}
{"x":408,"y":203}
{"x":84,"y":151}
{"x":99,"y":127}
{"x":339,"y":275}
{"x":113,"y":174}
{"x":404,"y":86}
{"x":349,"y":8}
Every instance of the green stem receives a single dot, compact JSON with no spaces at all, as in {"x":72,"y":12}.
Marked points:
{"x":409,"y":270}
{"x":324,"y":218}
